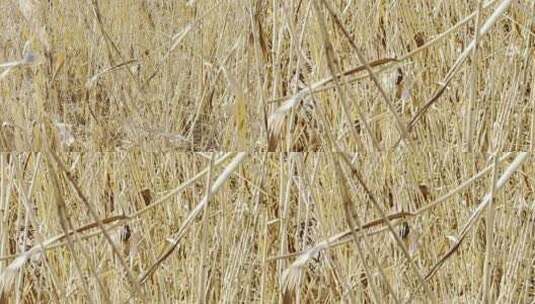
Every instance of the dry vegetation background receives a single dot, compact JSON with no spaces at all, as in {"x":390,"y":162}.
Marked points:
{"x":139,"y":227}
{"x":257,"y":75}
{"x":168,"y":86}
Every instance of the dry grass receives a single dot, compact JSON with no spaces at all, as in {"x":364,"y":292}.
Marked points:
{"x":139,"y":227}
{"x":258,"y":75}
{"x":169,"y":216}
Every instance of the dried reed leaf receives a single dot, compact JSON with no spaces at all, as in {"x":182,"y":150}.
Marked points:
{"x":91,"y":81}
{"x":8,"y":275}
{"x":221,"y":179}
{"x":515,"y":165}
{"x":489,"y":23}
{"x":276,"y":119}
{"x":292,"y":274}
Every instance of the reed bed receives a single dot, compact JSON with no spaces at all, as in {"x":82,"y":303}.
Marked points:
{"x":262,"y":227}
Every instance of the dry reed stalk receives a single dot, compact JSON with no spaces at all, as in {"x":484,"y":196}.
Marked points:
{"x":182,"y":186}
{"x":351,"y":218}
{"x":292,"y":273}
{"x":332,"y":63}
{"x":431,"y":296}
{"x":201,"y":287}
{"x":473,"y":79}
{"x":459,"y":188}
{"x":485,"y":28}
{"x":91,"y":81}
{"x":487,"y":298}
{"x":285,"y":181}
{"x":34,"y":253}
{"x":371,"y":74}
{"x":517,"y":162}
{"x":94,"y":215}
{"x":51,"y":243}
{"x":276,"y":119}
{"x":240,"y":157}
{"x":66,"y":225}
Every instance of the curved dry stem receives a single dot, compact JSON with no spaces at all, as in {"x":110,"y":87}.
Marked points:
{"x":519,"y":160}
{"x":187,"y":223}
